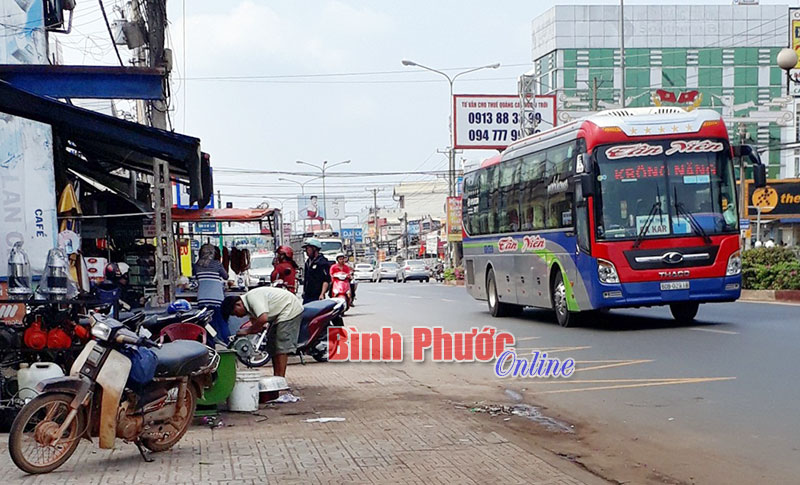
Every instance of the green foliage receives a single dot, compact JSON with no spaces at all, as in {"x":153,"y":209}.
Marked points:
{"x":770,"y":269}
{"x":449,"y":274}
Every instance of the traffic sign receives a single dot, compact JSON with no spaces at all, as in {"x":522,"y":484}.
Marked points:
{"x":744,"y":224}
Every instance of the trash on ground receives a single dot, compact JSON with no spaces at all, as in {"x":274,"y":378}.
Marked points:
{"x":524,"y":410}
{"x":323,"y":420}
{"x":286,"y":398}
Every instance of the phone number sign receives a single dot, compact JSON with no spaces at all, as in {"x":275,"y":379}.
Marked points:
{"x":492,"y":121}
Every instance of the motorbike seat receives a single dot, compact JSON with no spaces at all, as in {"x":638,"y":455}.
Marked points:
{"x":314,"y":308}
{"x":180,"y":358}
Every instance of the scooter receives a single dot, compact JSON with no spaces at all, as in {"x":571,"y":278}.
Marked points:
{"x":98,"y":399}
{"x":151,"y":325}
{"x":340,"y":287}
{"x":318,"y":316}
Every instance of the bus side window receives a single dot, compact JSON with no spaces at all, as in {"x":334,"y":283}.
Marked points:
{"x":533,"y":193}
{"x":508,"y":202}
{"x":493,"y":183}
{"x":483,"y":209}
{"x":558,"y":174}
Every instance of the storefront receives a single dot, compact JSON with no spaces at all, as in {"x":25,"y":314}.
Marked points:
{"x":774,"y":211}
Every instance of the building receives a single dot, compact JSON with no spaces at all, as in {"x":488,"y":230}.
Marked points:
{"x":421,"y":200}
{"x":711,"y":56}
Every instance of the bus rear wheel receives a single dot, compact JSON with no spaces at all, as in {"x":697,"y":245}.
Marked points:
{"x":497,"y":308}
{"x":684,"y":312}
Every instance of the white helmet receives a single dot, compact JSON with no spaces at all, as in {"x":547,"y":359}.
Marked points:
{"x":340,"y":255}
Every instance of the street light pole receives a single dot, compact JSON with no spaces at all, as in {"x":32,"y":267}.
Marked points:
{"x":451,"y":152}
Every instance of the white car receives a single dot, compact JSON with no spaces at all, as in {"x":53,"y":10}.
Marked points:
{"x":362,"y":271}
{"x":260,"y":269}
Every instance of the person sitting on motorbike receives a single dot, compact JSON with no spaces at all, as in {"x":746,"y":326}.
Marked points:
{"x":109,"y":291}
{"x":284,"y":268}
{"x":341,"y":266}
{"x":276,"y":306}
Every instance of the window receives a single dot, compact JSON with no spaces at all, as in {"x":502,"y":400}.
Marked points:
{"x":483,"y":207}
{"x":508,"y":208}
{"x":533,"y":193}
{"x":494,"y":196}
{"x":558,"y":173}
{"x":470,"y":202}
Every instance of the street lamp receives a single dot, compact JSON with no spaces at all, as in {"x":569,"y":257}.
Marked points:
{"x":451,"y":151}
{"x":787,"y":60}
{"x":302,"y":191}
{"x":322,"y":168}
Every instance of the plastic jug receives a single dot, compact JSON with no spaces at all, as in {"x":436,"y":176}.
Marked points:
{"x":29,"y":376}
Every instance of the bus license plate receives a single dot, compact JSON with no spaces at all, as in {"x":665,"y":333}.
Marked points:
{"x":674,"y":285}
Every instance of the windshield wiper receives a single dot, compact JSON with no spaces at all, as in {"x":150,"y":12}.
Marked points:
{"x":696,"y":227}
{"x":650,"y":215}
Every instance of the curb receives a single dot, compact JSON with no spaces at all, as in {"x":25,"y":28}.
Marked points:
{"x":771,"y":295}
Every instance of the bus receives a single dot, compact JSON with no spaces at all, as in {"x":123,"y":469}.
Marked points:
{"x":625,"y":208}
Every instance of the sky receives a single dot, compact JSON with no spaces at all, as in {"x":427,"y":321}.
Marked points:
{"x":266,"y":83}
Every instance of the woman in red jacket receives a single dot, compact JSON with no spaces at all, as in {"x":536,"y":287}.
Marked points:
{"x":285,"y":268}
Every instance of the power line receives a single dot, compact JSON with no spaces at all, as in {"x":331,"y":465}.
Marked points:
{"x":110,"y":34}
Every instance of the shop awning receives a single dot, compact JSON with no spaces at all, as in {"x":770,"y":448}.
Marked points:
{"x":123,"y":141}
{"x":220,"y":215}
{"x":790,"y":220}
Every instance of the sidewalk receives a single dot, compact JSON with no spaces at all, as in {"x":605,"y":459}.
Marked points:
{"x":396,"y":431}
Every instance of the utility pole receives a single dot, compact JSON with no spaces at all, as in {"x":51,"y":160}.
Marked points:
{"x":742,"y":196}
{"x":162,"y":187}
{"x":405,"y":230}
{"x":594,"y":94}
{"x":377,"y":238}
{"x":622,"y":50}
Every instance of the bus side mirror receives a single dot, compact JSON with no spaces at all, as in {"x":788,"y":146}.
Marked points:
{"x":759,"y":176}
{"x":587,"y":184}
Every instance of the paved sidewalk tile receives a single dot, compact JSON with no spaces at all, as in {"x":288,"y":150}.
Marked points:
{"x":395,"y":431}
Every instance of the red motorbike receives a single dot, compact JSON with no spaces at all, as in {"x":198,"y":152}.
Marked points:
{"x":340,"y":287}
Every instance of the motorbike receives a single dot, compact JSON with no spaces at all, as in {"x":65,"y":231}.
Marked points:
{"x":318,"y":316}
{"x":99,"y":399}
{"x":152,"y":325}
{"x":340,"y":287}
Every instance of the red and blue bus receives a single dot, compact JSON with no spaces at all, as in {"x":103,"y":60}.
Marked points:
{"x":625,"y":208}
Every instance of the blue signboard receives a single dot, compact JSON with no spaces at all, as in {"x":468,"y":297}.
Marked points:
{"x":413,"y":228}
{"x":744,"y":224}
{"x":354,"y":234}
{"x":205,"y":227}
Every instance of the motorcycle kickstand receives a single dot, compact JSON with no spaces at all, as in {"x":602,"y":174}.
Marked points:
{"x":300,"y":354}
{"x":145,"y":454}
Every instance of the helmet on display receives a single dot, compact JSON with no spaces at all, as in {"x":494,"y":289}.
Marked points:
{"x":340,"y":255}
{"x":179,"y":306}
{"x":286,"y":251}
{"x":313,"y":242}
{"x":112,"y":272}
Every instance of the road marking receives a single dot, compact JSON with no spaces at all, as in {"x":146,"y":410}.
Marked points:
{"x":526,"y":338}
{"x":712,"y":330}
{"x":617,"y":364}
{"x":415,"y":296}
{"x":689,"y":380}
{"x":448,"y":301}
{"x":555,"y":350}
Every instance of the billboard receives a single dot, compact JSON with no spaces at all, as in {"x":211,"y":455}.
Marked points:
{"x":454,"y":219}
{"x":27,"y":180}
{"x":353,"y":234}
{"x":309,"y":207}
{"x":491,"y":121}
{"x":794,"y":40}
{"x":780,"y":198}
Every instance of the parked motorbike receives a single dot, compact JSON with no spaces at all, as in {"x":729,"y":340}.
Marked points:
{"x":318,"y":316}
{"x":152,"y":325}
{"x":97,"y":398}
{"x":340,"y":287}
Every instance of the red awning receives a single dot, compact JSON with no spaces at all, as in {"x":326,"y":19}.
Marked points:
{"x":219,"y":215}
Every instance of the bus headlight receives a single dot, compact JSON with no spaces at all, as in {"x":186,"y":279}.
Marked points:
{"x":607,"y":272}
{"x":734,"y":264}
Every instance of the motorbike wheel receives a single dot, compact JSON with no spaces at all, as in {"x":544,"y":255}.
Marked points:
{"x":258,"y":358}
{"x":179,"y":425}
{"x":33,"y":429}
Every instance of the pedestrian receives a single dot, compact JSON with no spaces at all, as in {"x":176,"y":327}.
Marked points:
{"x":285,"y":269}
{"x":316,"y":272}
{"x":211,"y":277}
{"x":276,"y":306}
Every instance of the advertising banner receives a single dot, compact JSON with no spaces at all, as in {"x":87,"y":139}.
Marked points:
{"x":491,"y":121}
{"x":309,"y":207}
{"x":353,"y":234}
{"x":454,"y":219}
{"x":27,"y":182}
{"x":780,"y":198}
{"x":794,"y":36}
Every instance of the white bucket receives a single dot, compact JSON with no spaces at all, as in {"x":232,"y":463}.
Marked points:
{"x":29,"y":376}
{"x":244,"y":396}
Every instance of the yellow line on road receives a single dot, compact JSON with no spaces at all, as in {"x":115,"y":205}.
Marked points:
{"x":713,"y":330}
{"x":522,"y":339}
{"x":696,"y":380}
{"x":618,"y":364}
{"x":555,"y":350}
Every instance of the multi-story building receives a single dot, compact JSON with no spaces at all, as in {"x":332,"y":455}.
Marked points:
{"x":711,"y":56}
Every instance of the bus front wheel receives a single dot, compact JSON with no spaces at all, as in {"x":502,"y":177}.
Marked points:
{"x":496,"y":308}
{"x":559,"y":296}
{"x":684,"y":312}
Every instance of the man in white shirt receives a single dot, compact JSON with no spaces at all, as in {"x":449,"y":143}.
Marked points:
{"x":276,"y":306}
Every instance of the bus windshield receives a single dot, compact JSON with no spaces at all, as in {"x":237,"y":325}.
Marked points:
{"x":665,"y":188}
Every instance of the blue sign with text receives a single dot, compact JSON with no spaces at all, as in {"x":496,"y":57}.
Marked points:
{"x":353,"y":234}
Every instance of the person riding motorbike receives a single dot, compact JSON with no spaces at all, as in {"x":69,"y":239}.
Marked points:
{"x":110,"y":289}
{"x":316,"y":273}
{"x":341,"y":266}
{"x":285,"y":269}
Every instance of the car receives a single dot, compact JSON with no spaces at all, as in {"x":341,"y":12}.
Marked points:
{"x":260,"y":269}
{"x":385,"y":271}
{"x":363,"y":271}
{"x":414,"y":269}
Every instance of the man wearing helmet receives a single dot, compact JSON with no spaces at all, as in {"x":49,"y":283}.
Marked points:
{"x":285,"y":268}
{"x":316,"y":272}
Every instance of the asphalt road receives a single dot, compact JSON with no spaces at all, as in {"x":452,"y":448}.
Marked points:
{"x":728,"y":385}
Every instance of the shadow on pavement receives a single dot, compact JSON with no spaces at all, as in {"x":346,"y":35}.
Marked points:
{"x":613,"y":321}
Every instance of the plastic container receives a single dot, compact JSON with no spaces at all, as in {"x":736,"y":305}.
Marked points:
{"x":29,"y":376}
{"x":244,"y":397}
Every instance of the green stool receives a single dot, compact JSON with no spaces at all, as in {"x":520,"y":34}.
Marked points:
{"x":224,"y":380}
